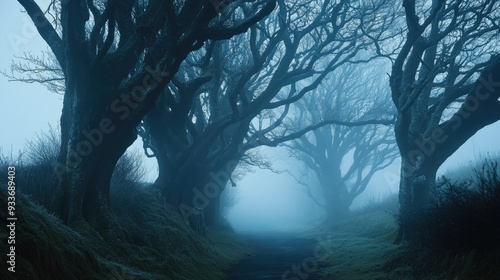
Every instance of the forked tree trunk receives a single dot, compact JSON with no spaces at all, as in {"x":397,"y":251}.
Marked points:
{"x":214,"y":187}
{"x":189,"y":184}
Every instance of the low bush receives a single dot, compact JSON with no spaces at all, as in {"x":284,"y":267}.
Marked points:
{"x":465,"y":215}
{"x":35,"y":168}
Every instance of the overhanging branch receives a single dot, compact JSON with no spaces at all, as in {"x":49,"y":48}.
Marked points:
{"x":218,"y":33}
{"x":46,"y":30}
{"x":263,"y":141}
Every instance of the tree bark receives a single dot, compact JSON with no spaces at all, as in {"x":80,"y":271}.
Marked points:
{"x":416,"y":183}
{"x":90,"y":149}
{"x":164,"y":181}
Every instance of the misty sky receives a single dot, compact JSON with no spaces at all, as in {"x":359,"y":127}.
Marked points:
{"x":30,"y":108}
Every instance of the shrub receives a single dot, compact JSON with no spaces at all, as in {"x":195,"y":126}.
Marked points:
{"x":465,"y":215}
{"x":128,"y":170}
{"x":35,"y":174}
{"x":126,"y":190}
{"x":35,"y":167}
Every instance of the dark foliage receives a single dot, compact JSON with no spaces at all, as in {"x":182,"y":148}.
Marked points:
{"x":465,"y":215}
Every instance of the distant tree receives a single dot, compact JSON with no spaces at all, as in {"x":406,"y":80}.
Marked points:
{"x":445,"y":85}
{"x":344,"y":158}
{"x":116,"y":58}
{"x":230,"y":95}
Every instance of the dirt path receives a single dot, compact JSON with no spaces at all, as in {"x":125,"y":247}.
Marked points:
{"x":277,"y":257}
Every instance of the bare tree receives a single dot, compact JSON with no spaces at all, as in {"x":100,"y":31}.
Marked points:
{"x":344,"y":159}
{"x":445,"y":85}
{"x":116,"y":58}
{"x":209,"y":116}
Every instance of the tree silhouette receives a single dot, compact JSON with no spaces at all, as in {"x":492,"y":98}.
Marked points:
{"x":445,"y":85}
{"x":116,"y":57}
{"x":345,"y":158}
{"x":231,"y":95}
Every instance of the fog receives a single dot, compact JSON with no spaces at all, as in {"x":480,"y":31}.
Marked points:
{"x":266,"y":201}
{"x":244,"y":140}
{"x":269,"y":201}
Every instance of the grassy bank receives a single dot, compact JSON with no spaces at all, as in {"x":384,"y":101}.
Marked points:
{"x":363,"y":248}
{"x":153,"y":241}
{"x":456,"y":236}
{"x":156,"y":244}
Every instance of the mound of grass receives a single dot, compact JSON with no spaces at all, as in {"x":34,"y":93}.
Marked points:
{"x":361,"y":246}
{"x":176,"y":250}
{"x":460,"y":231}
{"x":46,"y":249}
{"x":154,"y":241}
{"x":157,"y":244}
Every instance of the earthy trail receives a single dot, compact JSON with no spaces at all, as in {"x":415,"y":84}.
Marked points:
{"x":277,"y":256}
